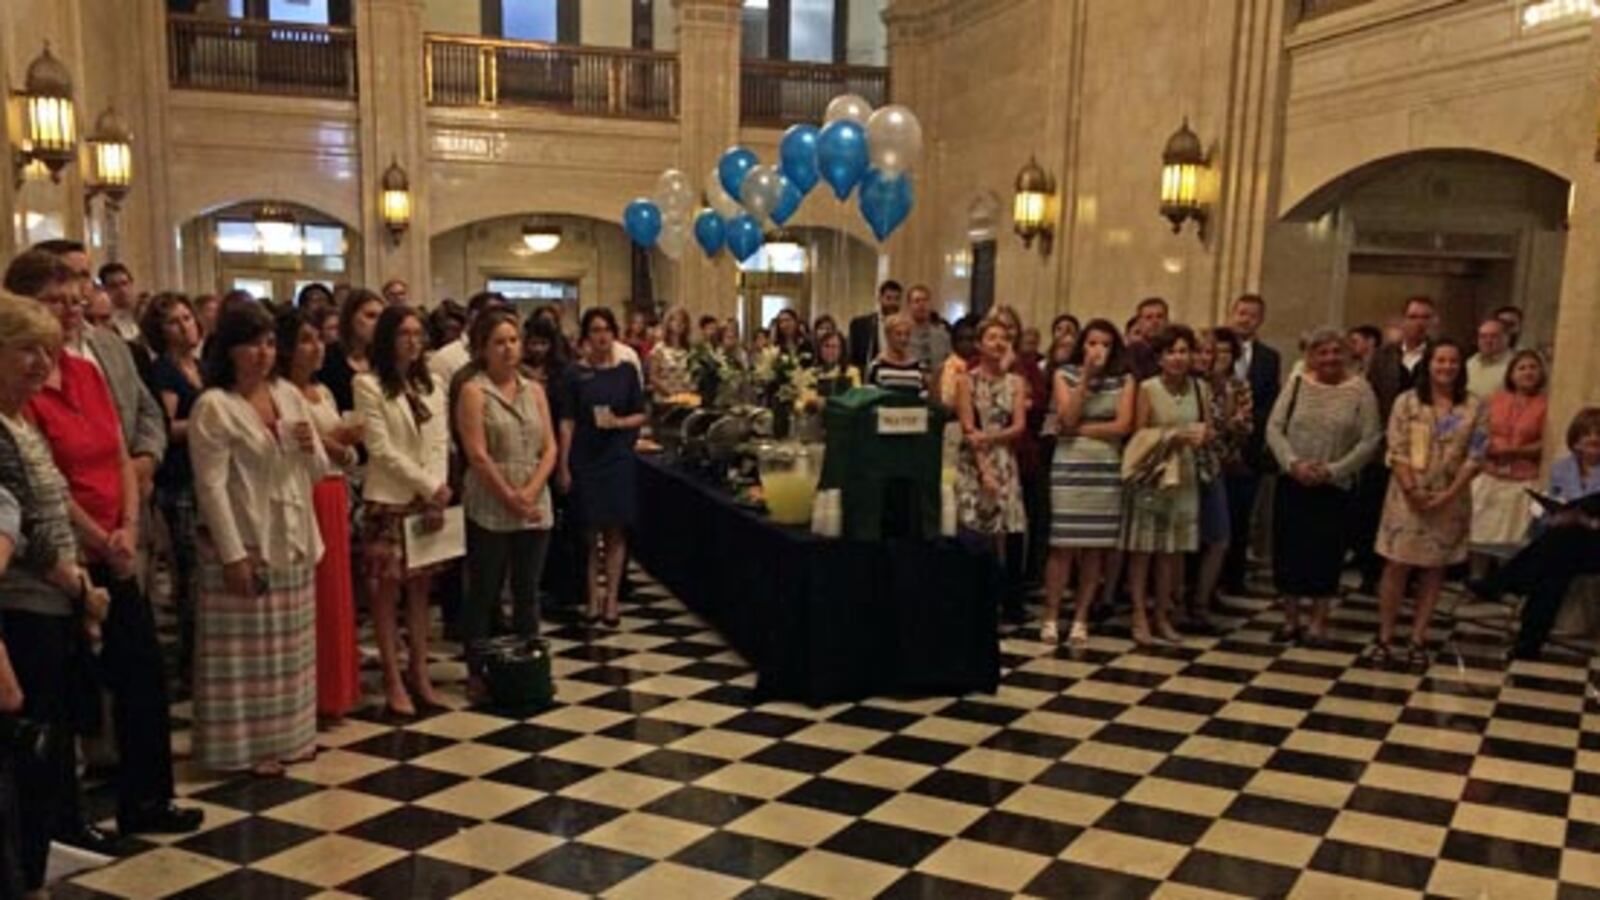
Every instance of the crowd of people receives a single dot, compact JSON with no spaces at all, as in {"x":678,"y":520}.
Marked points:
{"x":279,"y":460}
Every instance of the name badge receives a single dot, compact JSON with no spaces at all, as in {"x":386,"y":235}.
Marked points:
{"x":902,"y":420}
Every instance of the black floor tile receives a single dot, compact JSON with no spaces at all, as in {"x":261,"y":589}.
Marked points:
{"x":738,"y":855}
{"x":918,"y":750}
{"x":1072,"y":881}
{"x":1030,"y":743}
{"x":702,"y":805}
{"x":876,"y":718}
{"x":248,"y":840}
{"x":1538,"y":715}
{"x":1199,"y":771}
{"x":1232,"y":874}
{"x":888,"y":844}
{"x":1278,"y":698}
{"x":410,"y":827}
{"x":257,"y":794}
{"x":1348,"y":726}
{"x":711,"y":671}
{"x":1517,"y":796}
{"x":1371,"y":864}
{"x":1154,"y":823}
{"x":400,"y":745}
{"x":542,"y":774}
{"x":529,"y":738}
{"x":964,"y":787}
{"x":918,"y":886}
{"x":727,"y":695}
{"x":1425,"y":758}
{"x":625,"y":701}
{"x":986,"y":713}
{"x":649,"y":731}
{"x":613,"y":676}
{"x":1400,"y":805}
{"x":798,"y":757}
{"x":240,"y":883}
{"x":675,"y":765}
{"x":1140,"y":738}
{"x":404,"y":782}
{"x":1085,"y":708}
{"x":837,"y":796}
{"x":1529,"y":752}
{"x":1501,"y":853}
{"x":561,"y":816}
{"x":765,"y":724}
{"x":416,"y":876}
{"x":582,"y":868}
{"x":1040,"y":836}
{"x":1185,"y":703}
{"x":1317,"y":765}
{"x":1087,"y":780}
{"x":1247,"y":732}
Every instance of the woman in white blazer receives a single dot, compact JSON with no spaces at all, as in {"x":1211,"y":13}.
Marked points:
{"x":408,"y":445}
{"x":256,"y":456}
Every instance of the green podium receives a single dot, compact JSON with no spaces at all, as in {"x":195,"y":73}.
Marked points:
{"x":884,"y":455}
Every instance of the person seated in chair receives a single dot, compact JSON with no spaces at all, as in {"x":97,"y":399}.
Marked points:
{"x":1567,"y":544}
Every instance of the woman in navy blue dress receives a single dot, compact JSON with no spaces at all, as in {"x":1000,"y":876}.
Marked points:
{"x":601,"y":413}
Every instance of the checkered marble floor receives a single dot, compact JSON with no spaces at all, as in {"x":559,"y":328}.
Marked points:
{"x":1228,"y":766}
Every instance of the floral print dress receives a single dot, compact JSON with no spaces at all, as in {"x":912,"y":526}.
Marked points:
{"x":1436,"y":445}
{"x":977,"y":510}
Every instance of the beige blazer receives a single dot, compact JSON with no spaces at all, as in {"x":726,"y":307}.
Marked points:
{"x":405,"y":460}
{"x":253,"y":488}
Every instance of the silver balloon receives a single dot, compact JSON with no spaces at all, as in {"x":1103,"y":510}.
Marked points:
{"x":894,"y":139}
{"x":719,"y":199}
{"x":762,"y":189}
{"x":674,"y":194}
{"x":674,"y":236}
{"x":847,"y":106}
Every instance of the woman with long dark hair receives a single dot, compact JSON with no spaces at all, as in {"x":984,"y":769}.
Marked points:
{"x":601,"y":414}
{"x":1436,"y":440}
{"x":256,"y":456}
{"x":408,"y":445}
{"x":358,"y":316}
{"x":1094,"y":402}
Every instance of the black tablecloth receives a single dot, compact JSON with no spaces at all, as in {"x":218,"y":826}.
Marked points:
{"x":821,"y":620}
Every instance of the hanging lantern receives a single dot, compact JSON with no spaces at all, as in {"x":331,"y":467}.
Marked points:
{"x":111,"y":157}
{"x":50,"y":125}
{"x":540,"y":238}
{"x":1182,"y":165}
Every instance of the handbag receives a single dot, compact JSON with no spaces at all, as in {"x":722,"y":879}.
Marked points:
{"x":516,"y":671}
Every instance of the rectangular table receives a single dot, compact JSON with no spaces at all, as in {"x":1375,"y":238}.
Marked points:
{"x":821,"y":620}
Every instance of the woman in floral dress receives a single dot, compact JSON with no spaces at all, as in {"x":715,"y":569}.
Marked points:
{"x":991,"y":404}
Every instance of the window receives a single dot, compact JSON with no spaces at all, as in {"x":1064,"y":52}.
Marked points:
{"x":243,"y":236}
{"x":754,"y":22}
{"x":781,"y":256}
{"x":304,"y":12}
{"x":529,"y":20}
{"x":814,"y":31}
{"x":542,"y":290}
{"x":259,"y":288}
{"x":811,"y":36}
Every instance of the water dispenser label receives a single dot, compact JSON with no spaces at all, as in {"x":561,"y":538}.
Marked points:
{"x":902,"y":420}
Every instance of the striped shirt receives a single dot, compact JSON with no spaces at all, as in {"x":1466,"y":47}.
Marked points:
{"x":904,"y":378}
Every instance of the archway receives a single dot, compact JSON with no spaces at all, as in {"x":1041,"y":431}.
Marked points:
{"x":271,"y":248}
{"x":1472,"y":230}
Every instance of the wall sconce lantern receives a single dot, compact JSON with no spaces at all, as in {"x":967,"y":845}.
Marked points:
{"x":540,"y":238}
{"x":1182,"y":164}
{"x":110,"y":160}
{"x":49,"y":120}
{"x":1032,"y":205}
{"x":396,"y":200}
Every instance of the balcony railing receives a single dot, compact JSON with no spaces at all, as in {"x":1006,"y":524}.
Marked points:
{"x":255,"y":57}
{"x":592,"y":81}
{"x":1310,"y":9}
{"x":778,"y":93}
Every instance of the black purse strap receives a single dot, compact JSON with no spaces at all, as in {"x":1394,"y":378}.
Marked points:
{"x":1294,"y":400}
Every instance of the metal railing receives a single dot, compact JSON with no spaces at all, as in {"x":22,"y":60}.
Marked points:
{"x":593,"y":81}
{"x":778,"y":93}
{"x":1311,"y":9}
{"x":254,"y":57}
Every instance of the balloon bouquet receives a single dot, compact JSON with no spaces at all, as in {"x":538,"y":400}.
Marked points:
{"x":857,"y":148}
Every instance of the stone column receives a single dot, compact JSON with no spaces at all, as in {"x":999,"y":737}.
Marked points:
{"x":708,"y":118}
{"x":1576,"y":370}
{"x":393,"y":110}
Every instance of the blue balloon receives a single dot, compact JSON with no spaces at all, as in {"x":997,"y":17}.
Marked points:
{"x":885,"y":201}
{"x":788,"y":201}
{"x":744,"y":236}
{"x":842,"y":155}
{"x":709,"y":231}
{"x":797,"y":157}
{"x":732,"y":167}
{"x":642,"y":220}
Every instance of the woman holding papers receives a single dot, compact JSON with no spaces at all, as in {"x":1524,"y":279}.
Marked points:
{"x":256,"y":456}
{"x":1567,"y":547}
{"x":403,"y":420}
{"x":510,"y":448}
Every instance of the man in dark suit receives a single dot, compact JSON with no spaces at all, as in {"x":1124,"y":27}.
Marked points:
{"x":1393,"y":370}
{"x":866,"y":332}
{"x":1260,"y":366}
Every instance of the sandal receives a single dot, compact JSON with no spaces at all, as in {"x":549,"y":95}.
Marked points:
{"x":1417,"y":659}
{"x":1079,"y":636}
{"x":269,"y":769}
{"x":1380,"y":655}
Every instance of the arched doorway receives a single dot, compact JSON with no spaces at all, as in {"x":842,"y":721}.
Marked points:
{"x":1473,"y":230}
{"x":267,"y":247}
{"x":812,"y":270}
{"x":539,"y":258}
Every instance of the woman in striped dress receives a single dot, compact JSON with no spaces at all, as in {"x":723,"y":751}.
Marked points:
{"x":256,"y":456}
{"x":1094,"y":403}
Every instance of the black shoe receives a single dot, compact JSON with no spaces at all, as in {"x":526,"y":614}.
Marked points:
{"x":1515,"y":653}
{"x":92,"y":839}
{"x":163,"y":818}
{"x":1483,"y":588}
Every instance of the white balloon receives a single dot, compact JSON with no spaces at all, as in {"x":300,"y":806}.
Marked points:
{"x":894,"y":139}
{"x":719,"y":199}
{"x":674,"y":194}
{"x":847,"y":106}
{"x":674,"y":237}
{"x":762,"y":189}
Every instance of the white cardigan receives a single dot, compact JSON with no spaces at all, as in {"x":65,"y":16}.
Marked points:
{"x":252,"y":488}
{"x":404,"y":461}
